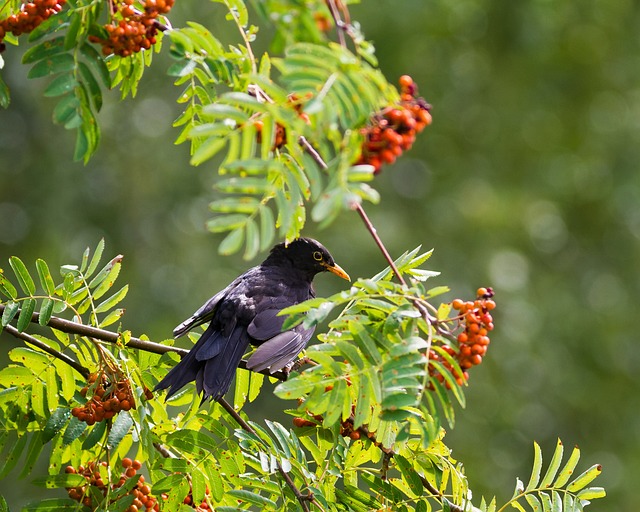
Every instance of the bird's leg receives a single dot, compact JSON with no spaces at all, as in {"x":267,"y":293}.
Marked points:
{"x":296,"y":365}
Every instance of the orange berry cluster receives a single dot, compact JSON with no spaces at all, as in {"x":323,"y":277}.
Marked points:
{"x":478,"y":322}
{"x":30,"y":16}
{"x":133,"y":30}
{"x":394,"y":129}
{"x":110,"y":396}
{"x":473,"y":340}
{"x":143,"y":500}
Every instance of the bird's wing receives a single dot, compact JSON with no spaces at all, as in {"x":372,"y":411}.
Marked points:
{"x":206,"y":312}
{"x":280,"y":350}
{"x":266,"y":324}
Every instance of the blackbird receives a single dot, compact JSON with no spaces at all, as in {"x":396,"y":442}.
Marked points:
{"x":246,"y":312}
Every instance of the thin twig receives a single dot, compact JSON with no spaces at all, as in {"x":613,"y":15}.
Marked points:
{"x":42,"y":346}
{"x":340,"y":25}
{"x":374,"y":233}
{"x":302,"y":498}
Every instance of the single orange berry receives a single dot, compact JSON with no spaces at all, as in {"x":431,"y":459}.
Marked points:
{"x":405,"y":81}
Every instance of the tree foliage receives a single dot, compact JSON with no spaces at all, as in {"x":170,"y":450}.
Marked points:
{"x":288,"y":130}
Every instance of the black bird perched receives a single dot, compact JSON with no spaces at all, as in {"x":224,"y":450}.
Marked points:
{"x":246,"y":312}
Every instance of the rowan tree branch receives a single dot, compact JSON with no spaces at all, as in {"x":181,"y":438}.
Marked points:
{"x":42,"y":346}
{"x":110,"y":337}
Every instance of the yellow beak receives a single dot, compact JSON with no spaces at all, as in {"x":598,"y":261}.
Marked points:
{"x":337,"y":270}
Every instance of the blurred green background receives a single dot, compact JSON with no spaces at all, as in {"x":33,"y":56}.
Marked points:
{"x":527,"y":181}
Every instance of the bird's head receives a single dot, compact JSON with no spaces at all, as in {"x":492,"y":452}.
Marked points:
{"x":307,"y":255}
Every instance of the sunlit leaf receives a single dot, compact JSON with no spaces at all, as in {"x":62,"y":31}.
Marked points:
{"x":22,"y":274}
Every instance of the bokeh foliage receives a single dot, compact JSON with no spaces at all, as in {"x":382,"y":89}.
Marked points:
{"x":527,"y":179}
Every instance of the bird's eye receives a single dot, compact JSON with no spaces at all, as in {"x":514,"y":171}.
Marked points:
{"x":317,"y":255}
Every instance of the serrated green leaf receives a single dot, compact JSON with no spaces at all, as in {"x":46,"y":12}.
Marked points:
{"x":5,"y":94}
{"x":44,"y":50}
{"x":35,"y":448}
{"x":111,"y":318}
{"x":192,"y":441}
{"x":255,"y":385}
{"x":533,"y":502}
{"x":66,"y":110}
{"x":223,"y":223}
{"x":106,"y":277}
{"x":568,"y":469}
{"x":241,"y":388}
{"x":119,"y":429}
{"x":64,"y":480}
{"x":554,"y":465}
{"x":207,"y":150}
{"x":67,"y":379}
{"x":59,"y":63}
{"x":58,"y":419}
{"x":51,"y":386}
{"x":246,"y":205}
{"x":96,"y":62}
{"x":251,"y":497}
{"x":12,"y":456}
{"x":7,"y":288}
{"x":95,"y":435}
{"x":537,"y":467}
{"x":46,"y":310}
{"x":267,"y":227}
{"x":62,"y":84}
{"x":584,"y":478}
{"x":198,"y":486}
{"x":10,"y":310}
{"x":34,"y":360}
{"x":252,"y":237}
{"x":52,"y":504}
{"x":16,"y":376}
{"x":45,"y":277}
{"x":22,"y":274}
{"x":49,"y":26}
{"x":592,"y":493}
{"x":232,"y":242}
{"x":26,"y":312}
{"x":91,"y":85}
{"x":116,"y":298}
{"x":75,"y":25}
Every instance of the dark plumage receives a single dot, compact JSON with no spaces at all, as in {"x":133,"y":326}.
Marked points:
{"x":246,"y":312}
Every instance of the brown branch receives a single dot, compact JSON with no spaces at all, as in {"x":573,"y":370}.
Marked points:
{"x":302,"y":498}
{"x":42,"y":346}
{"x":374,"y":233}
{"x":113,"y":337}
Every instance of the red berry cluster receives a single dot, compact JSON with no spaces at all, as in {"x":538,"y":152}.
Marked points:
{"x":473,"y":340}
{"x":132,"y":30}
{"x":143,"y":500}
{"x":393,"y":130}
{"x":109,"y":397}
{"x":30,"y":16}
